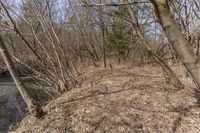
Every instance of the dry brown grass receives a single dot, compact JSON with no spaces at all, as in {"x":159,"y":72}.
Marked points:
{"x":124,"y":99}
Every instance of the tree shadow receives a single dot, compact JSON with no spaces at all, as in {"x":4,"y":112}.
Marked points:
{"x":98,"y":93}
{"x":197,"y":95}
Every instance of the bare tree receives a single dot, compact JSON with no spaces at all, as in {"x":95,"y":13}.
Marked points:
{"x":185,"y":53}
{"x":33,"y":106}
{"x":172,"y":78}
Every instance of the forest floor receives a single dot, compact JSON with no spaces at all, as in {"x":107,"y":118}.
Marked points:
{"x":124,"y":99}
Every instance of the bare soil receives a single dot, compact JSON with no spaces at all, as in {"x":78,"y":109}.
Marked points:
{"x":125,"y":99}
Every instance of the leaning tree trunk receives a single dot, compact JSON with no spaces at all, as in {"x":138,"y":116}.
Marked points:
{"x":171,"y":76}
{"x":33,"y":107}
{"x":180,"y":44}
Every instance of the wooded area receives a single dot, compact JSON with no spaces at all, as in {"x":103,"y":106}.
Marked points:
{"x":51,"y":40}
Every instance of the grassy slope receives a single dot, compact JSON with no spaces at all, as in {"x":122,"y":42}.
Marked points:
{"x":124,"y":99}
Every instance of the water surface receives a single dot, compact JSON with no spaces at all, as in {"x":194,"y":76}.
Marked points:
{"x":12,"y":106}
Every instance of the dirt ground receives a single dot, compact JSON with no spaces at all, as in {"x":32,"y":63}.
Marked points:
{"x":125,"y":99}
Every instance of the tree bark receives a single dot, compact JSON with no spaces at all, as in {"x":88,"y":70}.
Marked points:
{"x":33,"y":106}
{"x":180,"y":44}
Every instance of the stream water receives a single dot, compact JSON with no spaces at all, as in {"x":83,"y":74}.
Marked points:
{"x":12,"y":107}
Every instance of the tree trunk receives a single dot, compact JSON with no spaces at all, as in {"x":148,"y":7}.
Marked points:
{"x":171,"y":76}
{"x":33,"y":107}
{"x":180,"y":44}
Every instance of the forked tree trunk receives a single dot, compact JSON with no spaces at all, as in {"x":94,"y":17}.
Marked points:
{"x":171,"y":76}
{"x":180,"y":44}
{"x":33,"y":107}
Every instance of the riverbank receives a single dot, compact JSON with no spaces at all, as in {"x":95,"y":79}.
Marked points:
{"x":12,"y":107}
{"x":121,"y":99}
